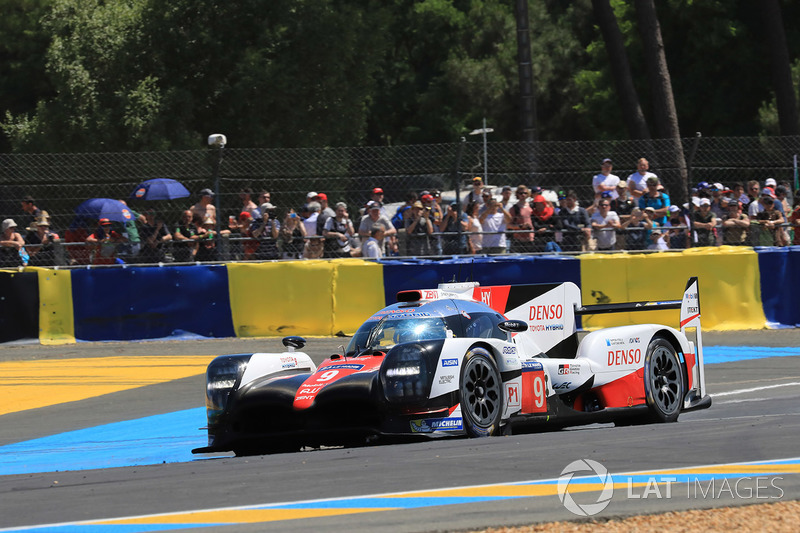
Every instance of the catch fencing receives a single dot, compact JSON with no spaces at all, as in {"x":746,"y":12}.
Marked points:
{"x":60,"y":182}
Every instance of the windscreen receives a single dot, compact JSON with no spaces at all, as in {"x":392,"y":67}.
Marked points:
{"x":390,"y":331}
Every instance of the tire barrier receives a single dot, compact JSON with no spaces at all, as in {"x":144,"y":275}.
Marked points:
{"x":742,"y":288}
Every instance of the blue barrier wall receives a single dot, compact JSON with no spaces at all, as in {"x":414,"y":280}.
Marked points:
{"x":779,"y":270}
{"x":151,"y":302}
{"x":510,"y":270}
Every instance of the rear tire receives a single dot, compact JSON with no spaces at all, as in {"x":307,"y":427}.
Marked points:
{"x":663,"y":381}
{"x":481,"y":391}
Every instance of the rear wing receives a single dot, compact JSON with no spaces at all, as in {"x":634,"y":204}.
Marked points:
{"x":689,"y":306}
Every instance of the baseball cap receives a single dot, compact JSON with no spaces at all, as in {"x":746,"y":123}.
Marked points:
{"x":417,"y":204}
{"x":266,"y":206}
{"x":311,"y":195}
{"x":718,"y":187}
{"x":373,"y":205}
{"x":322,"y":196}
{"x":768,"y":192}
{"x":704,"y":201}
{"x":606,"y":160}
{"x":244,"y":215}
{"x":702,"y":185}
{"x":477,"y":178}
{"x":507,"y":188}
{"x":103,"y":222}
{"x":674,"y":209}
{"x":427,"y":198}
{"x":622,"y":184}
{"x":377,"y":190}
{"x":655,"y":231}
{"x":770,"y":182}
{"x":539,"y":199}
{"x":606,"y":194}
{"x":206,"y":192}
{"x":650,"y":208}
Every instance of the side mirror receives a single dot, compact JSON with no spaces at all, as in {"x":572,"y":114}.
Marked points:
{"x":294,"y":343}
{"x":513,"y":326}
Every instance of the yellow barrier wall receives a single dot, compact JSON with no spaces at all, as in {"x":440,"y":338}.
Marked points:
{"x":303,"y":297}
{"x":730,"y":294}
{"x":56,"y":319}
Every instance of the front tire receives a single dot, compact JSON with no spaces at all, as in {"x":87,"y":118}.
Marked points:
{"x":481,"y":391}
{"x":663,"y":381}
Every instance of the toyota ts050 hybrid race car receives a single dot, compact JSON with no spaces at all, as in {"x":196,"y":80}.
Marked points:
{"x":461,"y":359}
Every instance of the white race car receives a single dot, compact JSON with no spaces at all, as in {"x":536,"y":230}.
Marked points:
{"x":462,"y":359}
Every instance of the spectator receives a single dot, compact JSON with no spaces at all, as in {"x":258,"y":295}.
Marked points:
{"x":487,"y":194}
{"x":637,"y":229}
{"x":505,"y":198}
{"x":753,"y":192}
{"x":781,"y":196}
{"x":372,"y":216}
{"x":717,"y":191}
{"x":419,"y":228}
{"x":656,"y":199}
{"x":738,"y":191}
{"x":431,"y":202}
{"x":207,"y":244}
{"x":451,"y":243}
{"x":153,"y":234}
{"x":638,"y":180}
{"x":32,"y":213}
{"x":677,"y":228}
{"x":339,"y":231}
{"x":704,"y":222}
{"x":311,"y":215}
{"x":39,"y":243}
{"x":574,"y":224}
{"x":132,"y":243}
{"x":544,"y":225}
{"x":475,"y":238}
{"x":377,"y":196}
{"x":769,"y":220}
{"x":397,"y":219}
{"x":735,"y":224}
{"x":11,"y":245}
{"x":758,"y":206}
{"x":264,"y":197}
{"x":372,"y":248}
{"x":314,"y":248}
{"x":325,"y":212}
{"x":521,"y":243}
{"x":657,"y":240}
{"x":494,"y":220}
{"x":266,"y":232}
{"x":243,"y":246}
{"x":604,"y":225}
{"x":292,"y":236}
{"x":185,"y":239}
{"x":205,"y":206}
{"x":476,"y":194}
{"x":245,"y":196}
{"x":794,"y":219}
{"x":104,"y":242}
{"x":605,"y":181}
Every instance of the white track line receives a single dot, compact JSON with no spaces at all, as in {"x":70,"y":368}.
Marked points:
{"x":743,"y":391}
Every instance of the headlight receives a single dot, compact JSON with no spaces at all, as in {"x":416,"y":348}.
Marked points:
{"x":405,"y":376}
{"x":221,"y":377}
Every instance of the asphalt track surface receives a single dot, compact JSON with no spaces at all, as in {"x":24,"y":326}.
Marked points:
{"x":755,"y":419}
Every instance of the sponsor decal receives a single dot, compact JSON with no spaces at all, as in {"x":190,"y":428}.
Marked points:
{"x":431,"y":295}
{"x":309,"y":397}
{"x":509,"y":350}
{"x":343,"y":366}
{"x":449,"y":362}
{"x":512,"y":393}
{"x":614,"y":342}
{"x":632,"y":356}
{"x":564,"y":385}
{"x":486,"y":297}
{"x":569,"y":369}
{"x":547,"y":327}
{"x":430,"y":425}
{"x":546,"y":312}
{"x":531,"y":366}
{"x":446,"y":380}
{"x":690,"y":309}
{"x":563,"y":369}
{"x":466,"y":315}
{"x":289,"y":360}
{"x":634,"y":340}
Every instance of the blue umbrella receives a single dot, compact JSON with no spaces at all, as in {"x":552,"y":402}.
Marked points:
{"x":160,"y":189}
{"x":97,"y":208}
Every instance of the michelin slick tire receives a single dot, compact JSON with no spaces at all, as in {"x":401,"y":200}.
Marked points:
{"x":481,"y":392}
{"x":663,"y":381}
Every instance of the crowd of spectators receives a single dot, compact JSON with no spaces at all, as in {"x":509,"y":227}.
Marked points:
{"x":630,"y":214}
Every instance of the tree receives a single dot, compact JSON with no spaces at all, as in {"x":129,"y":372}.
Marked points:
{"x":780,"y":68}
{"x":620,"y":69}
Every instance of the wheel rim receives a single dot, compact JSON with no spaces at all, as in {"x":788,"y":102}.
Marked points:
{"x":665,"y":380}
{"x":480,"y":392}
